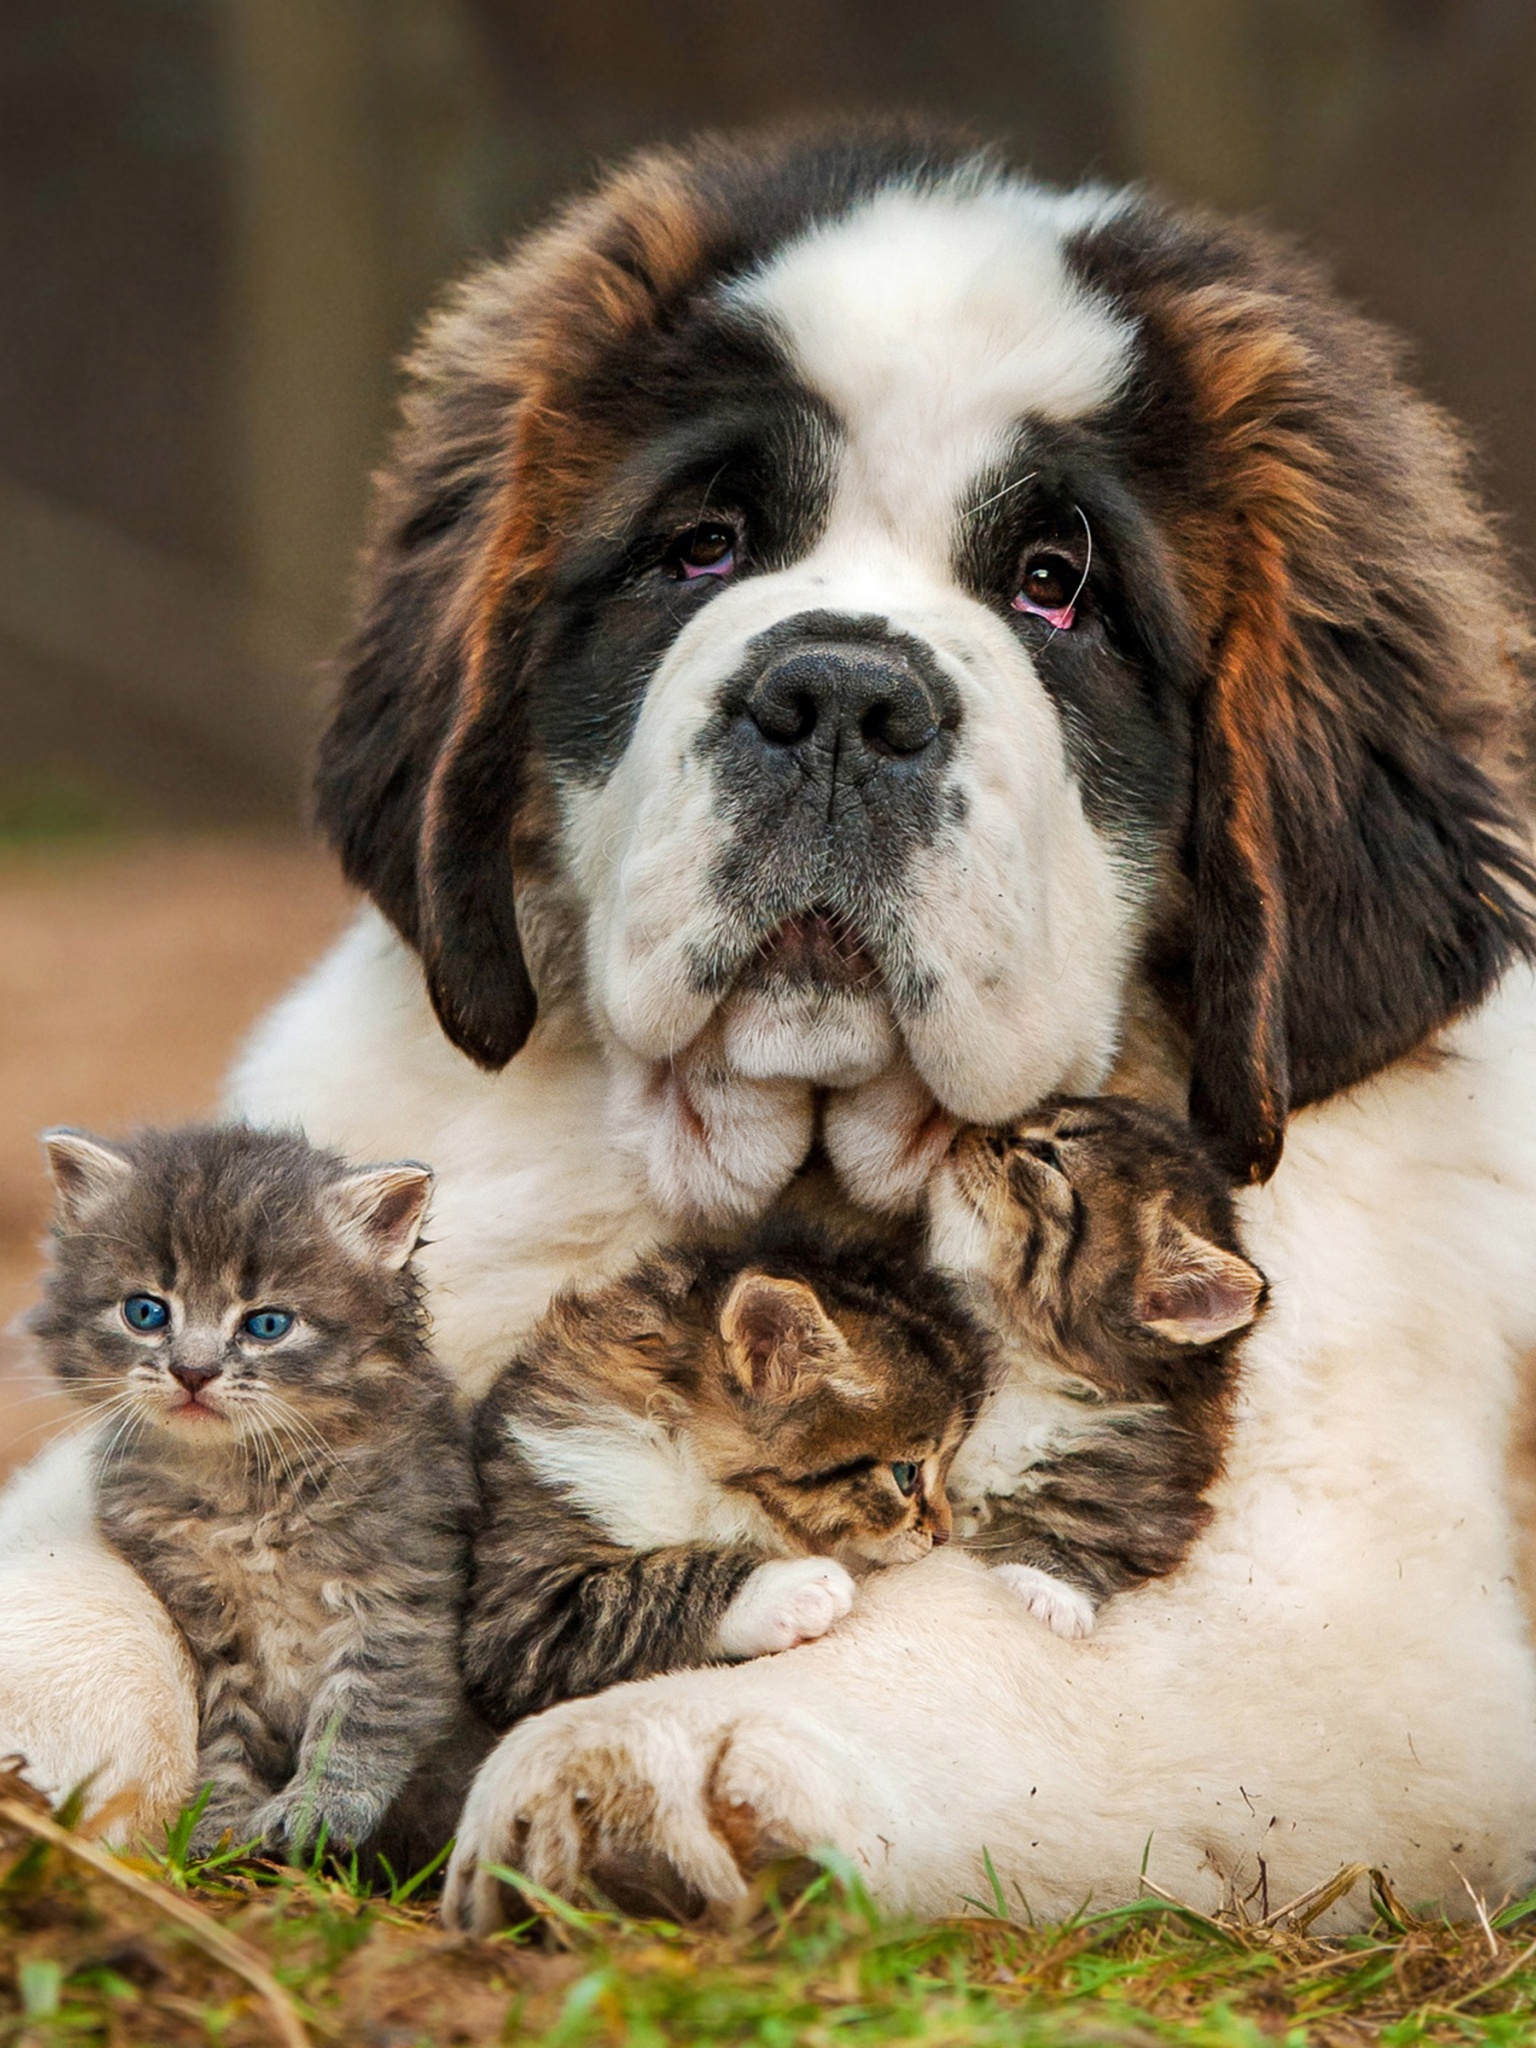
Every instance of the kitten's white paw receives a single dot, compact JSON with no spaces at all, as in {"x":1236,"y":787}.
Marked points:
{"x":791,"y":1600}
{"x":1063,"y":1609}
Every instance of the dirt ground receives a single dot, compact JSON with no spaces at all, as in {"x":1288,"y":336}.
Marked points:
{"x":128,"y":976}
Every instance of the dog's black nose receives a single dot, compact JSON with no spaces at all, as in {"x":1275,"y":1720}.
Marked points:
{"x":861,"y":704}
{"x":194,"y":1377}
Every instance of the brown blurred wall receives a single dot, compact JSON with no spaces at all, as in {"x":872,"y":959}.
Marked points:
{"x":220,"y":220}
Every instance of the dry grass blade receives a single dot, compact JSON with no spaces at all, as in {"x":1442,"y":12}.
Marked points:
{"x":1311,"y":1905}
{"x":1481,"y":1910}
{"x":215,"y":1941}
{"x":1192,"y":1914}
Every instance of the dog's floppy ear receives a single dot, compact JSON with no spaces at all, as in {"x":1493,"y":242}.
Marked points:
{"x":1357,"y":873}
{"x":420,"y":771}
{"x":425,"y":766}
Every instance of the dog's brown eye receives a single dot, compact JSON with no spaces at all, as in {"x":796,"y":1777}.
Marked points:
{"x":708,"y":549}
{"x":1049,"y":589}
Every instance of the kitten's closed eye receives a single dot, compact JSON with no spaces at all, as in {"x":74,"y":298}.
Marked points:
{"x":1001,"y":1143}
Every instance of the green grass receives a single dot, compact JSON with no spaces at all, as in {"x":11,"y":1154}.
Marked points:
{"x":154,"y":1948}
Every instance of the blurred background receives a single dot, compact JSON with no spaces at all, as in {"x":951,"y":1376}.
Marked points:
{"x":220,"y":221}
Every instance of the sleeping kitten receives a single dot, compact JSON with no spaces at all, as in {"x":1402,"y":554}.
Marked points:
{"x":277,"y":1455}
{"x":1101,"y":1249}
{"x":684,"y":1465}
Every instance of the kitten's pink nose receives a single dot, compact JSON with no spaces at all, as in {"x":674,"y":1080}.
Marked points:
{"x":194,"y":1377}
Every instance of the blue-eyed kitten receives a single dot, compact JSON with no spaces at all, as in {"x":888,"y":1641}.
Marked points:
{"x":277,"y":1454}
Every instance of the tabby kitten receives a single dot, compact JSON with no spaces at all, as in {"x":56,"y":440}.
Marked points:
{"x":277,"y":1454}
{"x":691,"y":1463}
{"x":1100,"y":1248}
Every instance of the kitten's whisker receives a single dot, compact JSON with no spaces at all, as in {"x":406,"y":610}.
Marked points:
{"x":275,"y":1468}
{"x":98,"y":1411}
{"x":276,"y":1465}
{"x":281,"y":1452}
{"x":297,"y":1416}
{"x":43,"y":1382}
{"x":258,"y":1430}
{"x":299,"y":1422}
{"x":974,"y":1246}
{"x":122,"y":1436}
{"x":278,"y":1426}
{"x":95,"y":1417}
{"x":304,"y":1448}
{"x":45,"y":1394}
{"x":313,"y":1467}
{"x":252,"y":1464}
{"x":303,"y":1428}
{"x":315,"y":1457}
{"x":281,"y":1476}
{"x":270,"y":1464}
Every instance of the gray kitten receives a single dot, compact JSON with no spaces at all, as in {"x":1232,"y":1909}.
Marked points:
{"x":278,"y":1454}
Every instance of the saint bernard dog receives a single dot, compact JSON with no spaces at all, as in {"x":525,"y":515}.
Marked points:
{"x":855,"y":640}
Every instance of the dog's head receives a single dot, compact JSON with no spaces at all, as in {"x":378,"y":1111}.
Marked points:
{"x":861,"y":611}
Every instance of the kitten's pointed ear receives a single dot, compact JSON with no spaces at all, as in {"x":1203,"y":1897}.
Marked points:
{"x":1193,"y":1291}
{"x":379,"y":1212}
{"x":83,"y":1169}
{"x":775,"y":1330}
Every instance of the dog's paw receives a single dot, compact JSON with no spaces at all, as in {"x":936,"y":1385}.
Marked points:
{"x":790,"y":1600}
{"x":1063,"y":1609}
{"x":886,"y":1139}
{"x":660,"y":1797}
{"x":587,"y":1795}
{"x":717,"y":1144}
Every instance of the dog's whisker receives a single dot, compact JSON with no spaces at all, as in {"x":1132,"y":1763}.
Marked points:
{"x":975,"y":511}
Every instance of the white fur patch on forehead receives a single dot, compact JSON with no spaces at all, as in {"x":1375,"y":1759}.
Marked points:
{"x":945,"y":314}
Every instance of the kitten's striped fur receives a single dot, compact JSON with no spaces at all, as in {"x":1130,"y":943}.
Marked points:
{"x":683,"y":1464}
{"x":302,"y":1505}
{"x":1100,"y":1247}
